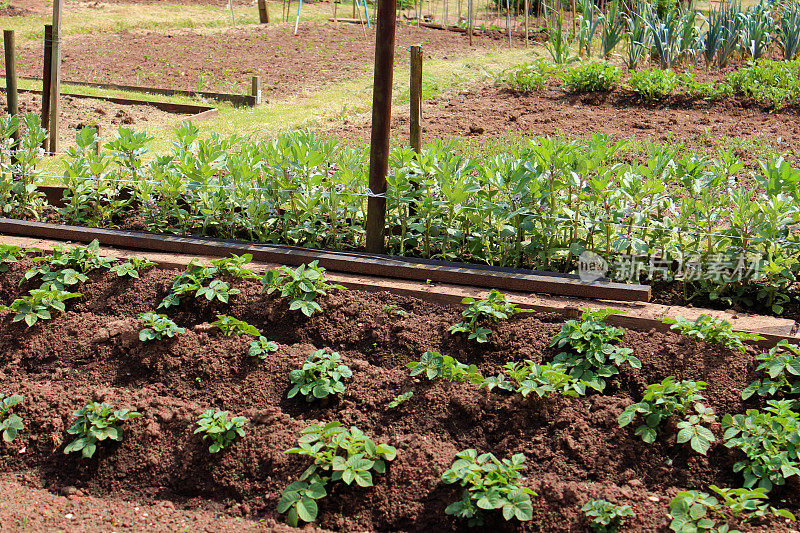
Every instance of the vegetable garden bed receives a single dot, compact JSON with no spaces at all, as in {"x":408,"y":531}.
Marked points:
{"x":574,"y":449}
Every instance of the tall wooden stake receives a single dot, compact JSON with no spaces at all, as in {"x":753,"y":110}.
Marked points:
{"x":381,"y":125}
{"x":11,"y":79}
{"x":233,"y":18}
{"x":48,"y":60}
{"x":55,"y":76}
{"x":526,"y":24}
{"x":508,"y":22}
{"x":416,"y":98}
{"x":469,"y":16}
{"x":263,"y":12}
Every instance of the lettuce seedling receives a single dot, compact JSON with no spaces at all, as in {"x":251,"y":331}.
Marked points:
{"x":489,"y":483}
{"x":493,"y":308}
{"x":321,"y":375}
{"x":158,"y":327}
{"x":37,"y":305}
{"x":779,"y":362}
{"x":10,"y":423}
{"x":262,"y":348}
{"x":97,"y":422}
{"x":301,"y":285}
{"x":592,"y":352}
{"x":604,"y":516}
{"x":230,"y":326}
{"x":669,"y":398}
{"x":216,"y":425}
{"x":770,"y":439}
{"x":716,"y":330}
{"x":132,"y":267}
{"x":438,"y":366}
{"x":339,"y":454}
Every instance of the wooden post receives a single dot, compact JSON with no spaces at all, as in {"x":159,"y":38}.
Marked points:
{"x":354,"y":9}
{"x":416,"y":98}
{"x":381,"y":125}
{"x":48,"y":60}
{"x":526,"y":23}
{"x":97,"y":145}
{"x":469,"y":16}
{"x":233,"y":18}
{"x":508,"y":21}
{"x":263,"y":12}
{"x":11,"y":80}
{"x":335,"y":5}
{"x":55,"y":76}
{"x":255,"y":88}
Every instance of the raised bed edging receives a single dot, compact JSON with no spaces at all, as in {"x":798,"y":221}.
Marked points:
{"x":352,"y":262}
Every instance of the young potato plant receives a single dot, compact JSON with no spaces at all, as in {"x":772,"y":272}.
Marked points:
{"x":10,"y":255}
{"x":591,"y":77}
{"x":604,"y":516}
{"x":489,"y":483}
{"x":97,"y":422}
{"x":526,"y":78}
{"x":261,"y":348}
{"x":339,"y":454}
{"x":68,"y":266}
{"x":216,"y":425}
{"x":10,"y":423}
{"x":158,"y":326}
{"x":493,"y":308}
{"x":234,"y":266}
{"x":592,"y":352}
{"x":193,"y":280}
{"x":779,"y":362}
{"x":400,"y":399}
{"x":529,"y":377}
{"x":770,"y":440}
{"x":716,"y":330}
{"x":301,"y":285}
{"x":230,"y":326}
{"x":438,"y":366}
{"x":669,"y":398}
{"x":132,"y":267}
{"x":321,"y":375}
{"x":694,"y":511}
{"x":39,"y":304}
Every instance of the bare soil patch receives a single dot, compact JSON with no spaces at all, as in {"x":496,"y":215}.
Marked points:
{"x":77,"y":113}
{"x":575,"y":450}
{"x":491,"y":112}
{"x":224,"y":60}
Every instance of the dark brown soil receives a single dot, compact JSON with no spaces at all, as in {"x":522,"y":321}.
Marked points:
{"x":224,"y":60}
{"x":574,"y":449}
{"x":490,"y":112}
{"x":77,"y":113}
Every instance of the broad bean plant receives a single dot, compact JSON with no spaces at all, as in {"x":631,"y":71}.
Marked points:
{"x":540,"y":206}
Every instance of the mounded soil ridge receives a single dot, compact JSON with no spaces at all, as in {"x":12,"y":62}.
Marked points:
{"x":575,"y":450}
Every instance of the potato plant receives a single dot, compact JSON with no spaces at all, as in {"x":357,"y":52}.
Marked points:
{"x":96,"y":422}
{"x":10,"y":423}
{"x":261,"y":348}
{"x":533,"y":378}
{"x":158,"y":327}
{"x":604,"y":516}
{"x":10,"y":255}
{"x":592,"y":352}
{"x":709,"y":329}
{"x":339,"y":454}
{"x":770,"y":441}
{"x":39,"y":304}
{"x":437,"y":366}
{"x":781,"y":364}
{"x":489,"y":483}
{"x":321,"y":375}
{"x":132,"y":267}
{"x":231,"y":327}
{"x":302,"y":286}
{"x":493,"y":308}
{"x":670,"y":398}
{"x":694,"y":511}
{"x":201,"y":280}
{"x":221,"y":430}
